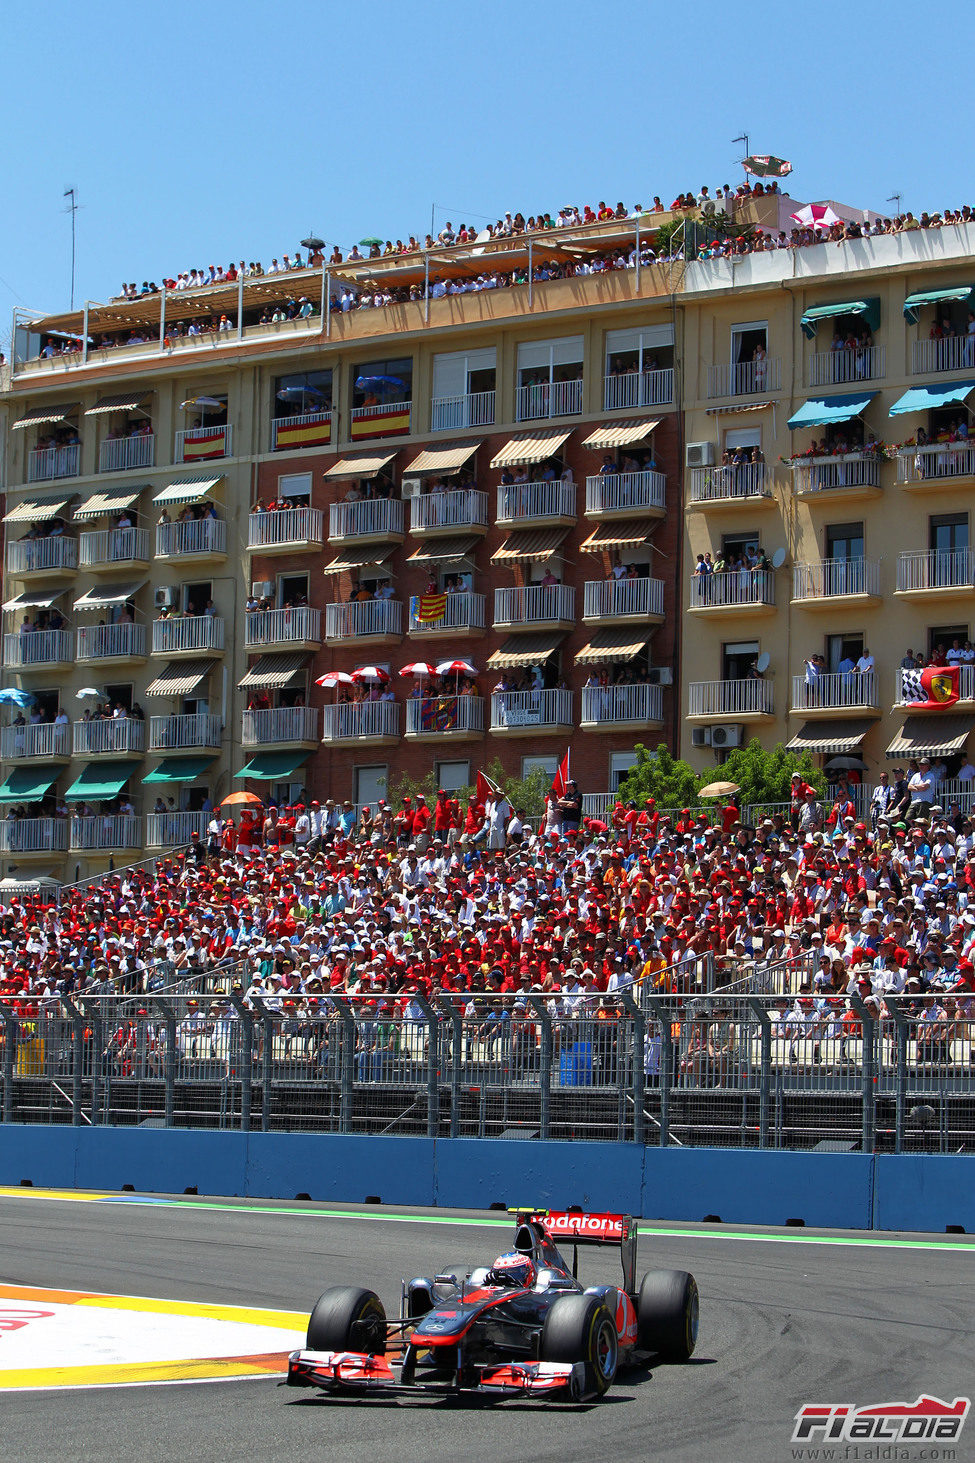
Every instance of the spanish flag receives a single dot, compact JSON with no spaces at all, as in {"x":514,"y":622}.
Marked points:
{"x":394,"y":422}
{"x":432,"y":607}
{"x":198,"y":449}
{"x":310,"y":434}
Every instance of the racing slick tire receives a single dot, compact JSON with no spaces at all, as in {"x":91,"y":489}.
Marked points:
{"x":580,"y":1328}
{"x":667,"y":1314}
{"x":347,"y":1318}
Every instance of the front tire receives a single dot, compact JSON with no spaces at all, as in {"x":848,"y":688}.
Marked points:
{"x":347,"y":1318}
{"x":580,"y":1328}
{"x":667,"y":1314}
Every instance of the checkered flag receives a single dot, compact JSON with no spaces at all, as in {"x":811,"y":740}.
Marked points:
{"x":911,"y":688}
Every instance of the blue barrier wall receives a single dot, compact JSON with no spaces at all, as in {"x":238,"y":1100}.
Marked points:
{"x":825,"y":1190}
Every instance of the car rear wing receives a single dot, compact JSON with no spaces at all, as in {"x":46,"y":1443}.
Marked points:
{"x":579,"y":1228}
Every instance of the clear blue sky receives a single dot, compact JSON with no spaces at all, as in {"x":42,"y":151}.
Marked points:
{"x":196,"y":134}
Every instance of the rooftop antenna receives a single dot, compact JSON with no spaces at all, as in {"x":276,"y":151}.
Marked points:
{"x":743,"y":138}
{"x":895,"y":198}
{"x":72,"y":208}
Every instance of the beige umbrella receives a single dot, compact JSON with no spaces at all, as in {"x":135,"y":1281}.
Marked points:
{"x":718,"y":789}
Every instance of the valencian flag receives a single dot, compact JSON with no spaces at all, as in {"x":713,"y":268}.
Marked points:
{"x":431,"y":607}
{"x":933,"y":689}
{"x":767,"y":167}
{"x":561,"y":782}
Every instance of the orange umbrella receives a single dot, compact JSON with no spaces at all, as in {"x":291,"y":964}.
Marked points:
{"x":242,"y":799}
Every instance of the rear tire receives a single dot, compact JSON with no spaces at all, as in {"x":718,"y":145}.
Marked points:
{"x":667,"y":1314}
{"x":580,"y":1328}
{"x":347,"y":1318}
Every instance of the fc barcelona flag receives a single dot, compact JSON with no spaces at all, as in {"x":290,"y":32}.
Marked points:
{"x":432,"y":607}
{"x":198,"y":449}
{"x":933,"y":689}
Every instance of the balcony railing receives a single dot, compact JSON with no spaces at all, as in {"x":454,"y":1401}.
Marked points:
{"x":835,"y":577}
{"x":617,"y":598}
{"x":170,"y":830}
{"x":35,"y":555}
{"x":839,"y":367}
{"x":515,"y":709}
{"x":117,"y":453}
{"x":530,"y":604}
{"x":619,"y":705}
{"x":120,"y":734}
{"x":463,"y":611}
{"x":936,"y":569}
{"x":113,"y":546}
{"x":285,"y":526}
{"x":549,"y":399}
{"x":200,"y":444}
{"x":834,"y":691}
{"x":954,"y":353}
{"x":433,"y":512}
{"x":746,"y":378}
{"x":734,"y":587}
{"x":295,"y":434}
{"x":189,"y":632}
{"x":720,"y":484}
{"x":37,"y":648}
{"x":850,"y":470}
{"x":34,"y":835}
{"x":966,"y":692}
{"x":638,"y":388}
{"x":281,"y":627}
{"x":195,"y":536}
{"x":372,"y":518}
{"x":527,"y":502}
{"x":110,"y":642}
{"x":47,"y":739}
{"x":434,"y":715}
{"x":384,"y":419}
{"x":730,"y":698}
{"x":368,"y":617}
{"x":356,"y":720}
{"x":625,"y":492}
{"x":280,"y":724}
{"x":182,"y":733}
{"x":932,"y":464}
{"x":105,"y":831}
{"x":54,"y":462}
{"x":450,"y":413}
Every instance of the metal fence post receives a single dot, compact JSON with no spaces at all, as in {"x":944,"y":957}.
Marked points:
{"x":456,"y":1060}
{"x":267,"y":1060}
{"x":638,"y":1075}
{"x":765,"y":1075}
{"x":11,"y":1027}
{"x":869,"y":1027}
{"x":900,"y":1089}
{"x":94,"y":1015}
{"x":169,"y":1067}
{"x":246,"y":1050}
{"x":666,"y":1073}
{"x":78,"y":1029}
{"x":345,"y":1010}
{"x":433,"y":1068}
{"x":545,"y":1057}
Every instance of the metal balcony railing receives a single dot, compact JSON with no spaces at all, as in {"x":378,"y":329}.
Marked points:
{"x":108,"y":642}
{"x":445,"y":511}
{"x":527,"y":502}
{"x":463,"y":611}
{"x":371,"y":422}
{"x":745,"y":378}
{"x":936,"y":569}
{"x":170,"y":830}
{"x":953,"y":353}
{"x":45,"y":739}
{"x":935,"y":463}
{"x":429,"y":715}
{"x":514,"y":709}
{"x":530,"y":604}
{"x":118,"y":453}
{"x":619,"y":705}
{"x":548,"y":399}
{"x":34,"y":835}
{"x":370,"y":617}
{"x":730,"y":698}
{"x":834,"y":691}
{"x":198,"y":444}
{"x":373,"y":517}
{"x":120,"y":734}
{"x":638,"y":388}
{"x":452,"y":413}
{"x":35,"y":555}
{"x":285,"y":526}
{"x":187,"y":632}
{"x":604,"y":598}
{"x":105,"y":831}
{"x":195,"y":536}
{"x":113,"y":546}
{"x":54,"y":462}
{"x":625,"y":492}
{"x":181,"y":733}
{"x":832,"y":577}
{"x":37,"y":648}
{"x":720,"y":484}
{"x":303,"y":419}
{"x":356,"y":720}
{"x":279,"y":724}
{"x":732,"y":588}
{"x":282,"y":627}
{"x":840,"y":367}
{"x":850,"y":470}
{"x":904,"y":695}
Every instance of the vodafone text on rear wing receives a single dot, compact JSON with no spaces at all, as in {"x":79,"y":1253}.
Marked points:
{"x":577,"y":1228}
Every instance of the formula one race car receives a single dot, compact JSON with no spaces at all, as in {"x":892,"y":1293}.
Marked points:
{"x":524,"y":1326}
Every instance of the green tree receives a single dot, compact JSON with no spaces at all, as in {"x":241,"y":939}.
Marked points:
{"x":670,"y":782}
{"x":528,"y":793}
{"x":765,"y":777}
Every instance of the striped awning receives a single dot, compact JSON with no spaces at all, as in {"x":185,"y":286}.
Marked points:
{"x":126,"y":401}
{"x":39,"y":599}
{"x":629,"y":534}
{"x":45,"y":415}
{"x":530,"y":546}
{"x":275,"y":672}
{"x":446,"y":459}
{"x":107,"y":500}
{"x":180,"y":678}
{"x":189,"y":489}
{"x":179,"y":769}
{"x":522,"y":650}
{"x":104,"y":596}
{"x":374,"y":557}
{"x":620,"y":434}
{"x":612,"y":646}
{"x":831,"y":738}
{"x":443,"y":550}
{"x":530,"y":447}
{"x":721,"y":411}
{"x":931,"y":736}
{"x":366,"y":465}
{"x":39,"y":508}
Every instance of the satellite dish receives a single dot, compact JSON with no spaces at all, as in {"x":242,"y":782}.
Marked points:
{"x":778,"y":558}
{"x":762,"y":664}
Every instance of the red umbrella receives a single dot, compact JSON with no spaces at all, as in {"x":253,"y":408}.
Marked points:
{"x":335,"y":678}
{"x":419,"y":668}
{"x":370,"y":673}
{"x":456,"y":668}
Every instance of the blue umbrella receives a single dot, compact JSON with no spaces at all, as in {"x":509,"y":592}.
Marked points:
{"x":379,"y":385}
{"x":300,"y":393}
{"x":14,"y":697}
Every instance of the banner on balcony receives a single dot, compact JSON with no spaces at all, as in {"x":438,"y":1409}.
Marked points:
{"x":431,"y":608}
{"x":198,"y":449}
{"x":308,"y":434}
{"x":394,"y":421}
{"x":933,"y":689}
{"x":438,"y":714}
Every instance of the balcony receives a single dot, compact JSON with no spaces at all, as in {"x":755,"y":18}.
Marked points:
{"x":748,"y":484}
{"x":195,"y":540}
{"x":744,"y":700}
{"x":385,"y":419}
{"x":187,"y":634}
{"x":966,"y":693}
{"x":456,"y":413}
{"x":434,"y":718}
{"x":549,"y":399}
{"x":609,"y":495}
{"x":171,"y":830}
{"x":638,"y":388}
{"x":463,"y":615}
{"x":34,"y":836}
{"x":47,"y":740}
{"x":202,"y":444}
{"x":42,"y":558}
{"x":111,"y":644}
{"x":293,"y":726}
{"x":374,"y":518}
{"x":841,"y":367}
{"x":535,"y":607}
{"x":45,"y":463}
{"x":609,"y":600}
{"x":954,"y":353}
{"x":746,"y":378}
{"x":536,"y":503}
{"x":936,"y":573}
{"x":114,"y":548}
{"x":121,"y":734}
{"x":38,"y":650}
{"x":299,"y":628}
{"x":175,"y":734}
{"x":117,"y":454}
{"x":936,"y":466}
{"x":748,"y":591}
{"x":285,"y":530}
{"x":104,"y":833}
{"x":851,"y":475}
{"x":371,"y":621}
{"x":307,"y":429}
{"x":444,"y":513}
{"x":838,"y":694}
{"x":365,"y":723}
{"x":611,"y":708}
{"x":530,"y":713}
{"x":834,"y":582}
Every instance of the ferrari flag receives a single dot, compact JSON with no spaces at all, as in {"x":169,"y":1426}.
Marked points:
{"x":933,"y":689}
{"x":432,"y":607}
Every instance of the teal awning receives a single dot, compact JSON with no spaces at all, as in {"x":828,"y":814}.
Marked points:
{"x":25,"y":785}
{"x":269,"y":766}
{"x":923,"y":398}
{"x":914,"y":303}
{"x":178,"y":769}
{"x":869,"y":309}
{"x":824,"y":411}
{"x":100,"y":780}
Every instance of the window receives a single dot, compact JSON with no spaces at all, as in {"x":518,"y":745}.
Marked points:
{"x":370,"y":785}
{"x":739,"y":545}
{"x":746,"y":437}
{"x":549,"y":765}
{"x":639,"y":367}
{"x":840,"y":648}
{"x":746,"y":339}
{"x":549,"y":378}
{"x":296,"y":487}
{"x":948,"y":532}
{"x":196,"y":597}
{"x":736,"y":658}
{"x":619,"y":765}
{"x":453,"y":775}
{"x":120,"y":694}
{"x":463,"y":389}
{"x":211,"y":412}
{"x":945,"y":635}
{"x":844,"y":541}
{"x":292,"y":590}
{"x":286,"y":794}
{"x":300,"y":395}
{"x":382,"y":383}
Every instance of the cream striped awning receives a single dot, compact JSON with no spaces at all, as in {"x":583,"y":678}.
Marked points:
{"x":364,"y":466}
{"x":38,"y":508}
{"x":530,"y":546}
{"x":937,"y":735}
{"x":126,"y":401}
{"x":275,"y":672}
{"x":103,"y":597}
{"x":448,"y":458}
{"x":620,"y":434}
{"x":612,"y":646}
{"x":629,"y":534}
{"x":180,"y":678}
{"x":45,"y":415}
{"x":37,"y":599}
{"x":189,"y":489}
{"x":349,"y":560}
{"x":830,"y":738}
{"x":529,"y":447}
{"x":443,"y":550}
{"x":107,"y":500}
{"x":522,"y":650}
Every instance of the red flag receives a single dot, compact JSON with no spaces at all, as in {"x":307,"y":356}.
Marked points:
{"x":561,"y":781}
{"x":933,"y":689}
{"x":486,"y":788}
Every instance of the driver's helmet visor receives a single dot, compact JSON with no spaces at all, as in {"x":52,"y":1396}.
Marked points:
{"x":514,"y":1269}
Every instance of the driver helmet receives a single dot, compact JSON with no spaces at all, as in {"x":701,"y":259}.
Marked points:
{"x":513,"y":1269}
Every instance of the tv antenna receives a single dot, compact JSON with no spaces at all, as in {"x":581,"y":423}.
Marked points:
{"x":895,"y":198}
{"x":744,"y":139}
{"x":72,"y":208}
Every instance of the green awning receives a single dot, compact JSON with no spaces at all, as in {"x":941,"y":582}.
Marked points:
{"x":100,"y":780}
{"x":824,"y":411}
{"x":869,"y":309}
{"x":25,"y":785}
{"x":178,"y":769}
{"x":269,"y":766}
{"x":922,"y":398}
{"x":914,"y":303}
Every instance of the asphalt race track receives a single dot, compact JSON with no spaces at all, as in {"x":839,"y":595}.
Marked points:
{"x":787,"y":1317}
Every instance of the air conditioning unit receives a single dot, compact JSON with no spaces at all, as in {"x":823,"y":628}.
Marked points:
{"x":262,"y":588}
{"x":700,"y":736}
{"x":665,"y":676}
{"x":165,"y":597}
{"x":412,"y":487}
{"x":700,"y":454}
{"x":727,"y":735}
